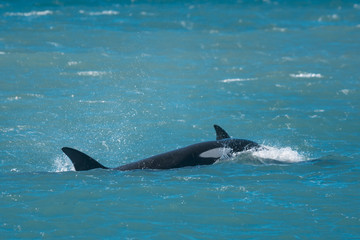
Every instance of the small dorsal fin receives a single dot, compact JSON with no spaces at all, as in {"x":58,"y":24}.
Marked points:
{"x":220,"y":133}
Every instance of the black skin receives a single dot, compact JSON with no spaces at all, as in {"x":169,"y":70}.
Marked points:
{"x":183,"y":157}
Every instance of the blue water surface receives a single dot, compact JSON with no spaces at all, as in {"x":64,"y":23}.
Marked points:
{"x":126,"y":80}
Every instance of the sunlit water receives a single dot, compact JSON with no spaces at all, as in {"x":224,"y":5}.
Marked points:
{"x":125,"y":81}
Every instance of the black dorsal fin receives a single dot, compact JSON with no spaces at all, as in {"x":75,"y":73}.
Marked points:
{"x":81,"y":161}
{"x":220,"y":133}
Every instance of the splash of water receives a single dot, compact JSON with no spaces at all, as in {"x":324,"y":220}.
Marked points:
{"x":286,"y":154}
{"x":62,"y":164}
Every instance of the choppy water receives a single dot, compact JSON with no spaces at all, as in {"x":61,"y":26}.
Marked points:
{"x":124,"y":81}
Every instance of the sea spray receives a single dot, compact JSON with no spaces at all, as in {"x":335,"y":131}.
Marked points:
{"x":62,"y":164}
{"x":285,"y":154}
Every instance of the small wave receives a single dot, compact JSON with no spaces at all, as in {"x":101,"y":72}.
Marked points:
{"x":15,"y":98}
{"x":54,"y":44}
{"x":105,"y":12}
{"x":91,"y":73}
{"x":345,"y":91}
{"x":229,"y":80}
{"x":5,"y":130}
{"x":91,"y":102}
{"x":306,"y":75}
{"x":35,"y":95}
{"x":279,"y":29}
{"x":62,"y":164}
{"x":72,"y":63}
{"x":29,"y":14}
{"x":331,"y":17}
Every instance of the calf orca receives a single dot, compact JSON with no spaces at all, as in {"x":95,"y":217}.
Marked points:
{"x":204,"y":153}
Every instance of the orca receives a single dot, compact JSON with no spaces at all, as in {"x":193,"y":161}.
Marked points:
{"x":204,"y":153}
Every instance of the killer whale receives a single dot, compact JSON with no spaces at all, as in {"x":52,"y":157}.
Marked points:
{"x":204,"y":153}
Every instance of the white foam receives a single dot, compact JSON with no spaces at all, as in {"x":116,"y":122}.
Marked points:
{"x":62,"y":164}
{"x":35,"y":95}
{"x":91,"y":73}
{"x":306,"y":75}
{"x":54,"y":44}
{"x":105,"y":12}
{"x":331,"y":17}
{"x":187,"y":25}
{"x":286,"y":154}
{"x":72,"y":63}
{"x":99,"y":101}
{"x":5,"y":130}
{"x":280,"y":86}
{"x":345,"y":91}
{"x":279,"y":29}
{"x":29,"y":14}
{"x":14,"y":98}
{"x":229,"y":80}
{"x":143,"y":13}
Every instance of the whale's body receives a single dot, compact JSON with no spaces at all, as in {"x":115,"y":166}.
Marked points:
{"x":204,"y":153}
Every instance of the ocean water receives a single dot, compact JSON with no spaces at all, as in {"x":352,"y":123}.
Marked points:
{"x":126,"y":80}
